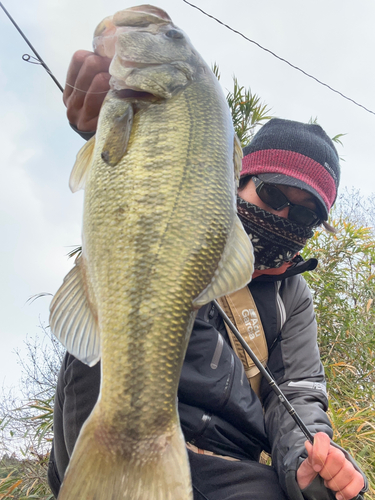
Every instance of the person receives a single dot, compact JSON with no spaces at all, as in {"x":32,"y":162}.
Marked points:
{"x":288,"y":184}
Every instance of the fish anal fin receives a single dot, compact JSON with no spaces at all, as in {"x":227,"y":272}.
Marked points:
{"x":235,"y":267}
{"x":82,"y":165}
{"x":73,"y":318}
{"x":157,"y":469}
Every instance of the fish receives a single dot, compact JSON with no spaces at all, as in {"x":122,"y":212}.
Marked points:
{"x":160,"y":238}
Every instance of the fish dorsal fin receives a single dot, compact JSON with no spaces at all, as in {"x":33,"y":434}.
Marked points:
{"x":237,"y":159}
{"x":72,"y":319}
{"x":235,"y":267}
{"x":81,"y":166}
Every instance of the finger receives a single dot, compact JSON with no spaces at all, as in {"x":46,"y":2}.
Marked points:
{"x":88,"y":116}
{"x":343,"y":478}
{"x":309,"y":449}
{"x":351,"y":491}
{"x":92,"y":66}
{"x":305,"y":473}
{"x":334,"y":463}
{"x":73,"y":70}
{"x":346,"y":490}
{"x":320,"y":450}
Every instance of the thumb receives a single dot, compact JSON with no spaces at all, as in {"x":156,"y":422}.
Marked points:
{"x":305,"y":472}
{"x":309,"y":448}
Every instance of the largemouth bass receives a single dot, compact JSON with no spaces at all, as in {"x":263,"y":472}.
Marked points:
{"x":161,"y":238}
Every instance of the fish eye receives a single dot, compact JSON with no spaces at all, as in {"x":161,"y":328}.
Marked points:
{"x":174,"y":34}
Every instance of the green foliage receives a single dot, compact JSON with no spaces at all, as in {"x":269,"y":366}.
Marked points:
{"x":343,"y":288}
{"x":24,"y":479}
{"x":337,"y":139}
{"x":247,"y":110}
{"x":26,"y":422}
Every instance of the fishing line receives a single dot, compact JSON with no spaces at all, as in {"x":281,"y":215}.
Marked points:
{"x":27,"y":57}
{"x":85,"y":91}
{"x":280,"y":58}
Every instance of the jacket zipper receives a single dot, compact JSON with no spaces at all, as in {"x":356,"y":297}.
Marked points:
{"x":206,"y":419}
{"x":217,"y":354}
{"x":228,"y":383}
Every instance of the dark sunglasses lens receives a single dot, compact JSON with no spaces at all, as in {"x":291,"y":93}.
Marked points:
{"x":276,"y":199}
{"x":303,"y":215}
{"x":272,"y":196}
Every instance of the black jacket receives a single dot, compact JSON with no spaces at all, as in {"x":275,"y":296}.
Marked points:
{"x":218,"y":410}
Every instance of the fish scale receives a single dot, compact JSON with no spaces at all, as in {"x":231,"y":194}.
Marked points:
{"x":160,"y":238}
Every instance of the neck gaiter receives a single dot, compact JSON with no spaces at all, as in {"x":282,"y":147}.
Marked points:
{"x":275,"y":239}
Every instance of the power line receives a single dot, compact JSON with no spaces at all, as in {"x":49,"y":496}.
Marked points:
{"x":280,"y":58}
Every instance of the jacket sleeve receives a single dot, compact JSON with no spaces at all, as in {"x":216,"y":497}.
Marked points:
{"x":85,"y":135}
{"x":295,"y":364}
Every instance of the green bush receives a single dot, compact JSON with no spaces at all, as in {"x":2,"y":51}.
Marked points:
{"x":343,"y":288}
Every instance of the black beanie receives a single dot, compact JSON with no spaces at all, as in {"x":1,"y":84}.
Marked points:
{"x":295,"y":154}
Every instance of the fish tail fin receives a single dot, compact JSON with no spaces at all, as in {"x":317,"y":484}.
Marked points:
{"x":158,"y":471}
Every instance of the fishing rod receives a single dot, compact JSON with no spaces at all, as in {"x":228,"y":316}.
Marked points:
{"x":27,"y":57}
{"x":276,"y":389}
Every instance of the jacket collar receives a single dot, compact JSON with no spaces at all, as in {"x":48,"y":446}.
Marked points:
{"x":298,"y":266}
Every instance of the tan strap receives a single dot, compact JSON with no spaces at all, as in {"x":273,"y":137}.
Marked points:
{"x":242,"y":311}
{"x":194,"y":448}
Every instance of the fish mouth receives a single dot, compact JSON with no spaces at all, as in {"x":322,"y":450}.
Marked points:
{"x":125,"y":89}
{"x":136,"y":95}
{"x":135,"y":70}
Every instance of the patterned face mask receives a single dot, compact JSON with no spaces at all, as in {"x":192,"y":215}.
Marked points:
{"x":275,"y":239}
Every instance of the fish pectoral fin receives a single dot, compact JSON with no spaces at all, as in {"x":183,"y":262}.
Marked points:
{"x":81,"y":166}
{"x":72,"y":319}
{"x":117,"y":139}
{"x":235,"y":267}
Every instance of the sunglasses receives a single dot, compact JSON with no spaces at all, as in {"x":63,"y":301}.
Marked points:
{"x":276,"y":199}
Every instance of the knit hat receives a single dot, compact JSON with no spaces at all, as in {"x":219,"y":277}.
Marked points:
{"x":295,"y":154}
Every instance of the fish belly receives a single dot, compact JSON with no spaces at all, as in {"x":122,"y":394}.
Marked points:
{"x":155,"y":227}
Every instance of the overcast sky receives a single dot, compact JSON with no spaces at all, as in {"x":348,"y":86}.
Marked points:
{"x":40,"y":218}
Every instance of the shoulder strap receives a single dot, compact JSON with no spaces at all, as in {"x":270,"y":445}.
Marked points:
{"x":242,"y":311}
